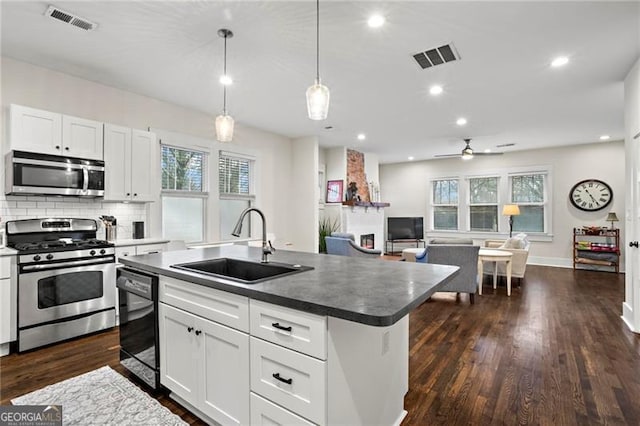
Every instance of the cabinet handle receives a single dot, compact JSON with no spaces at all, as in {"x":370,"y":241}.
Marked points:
{"x":198,"y":332}
{"x":128,"y":194}
{"x":66,"y":148}
{"x":633,"y":244}
{"x":135,"y":194}
{"x":277,"y":377}
{"x":57,"y":146}
{"x":280,"y":327}
{"x":189,"y":329}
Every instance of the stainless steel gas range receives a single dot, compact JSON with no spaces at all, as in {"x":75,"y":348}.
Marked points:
{"x":66,"y":280}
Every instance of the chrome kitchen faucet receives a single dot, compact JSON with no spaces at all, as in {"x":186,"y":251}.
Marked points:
{"x":267,"y":248}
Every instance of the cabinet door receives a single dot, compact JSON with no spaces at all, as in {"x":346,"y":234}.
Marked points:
{"x":117,"y":160}
{"x":224,"y":372}
{"x":144,"y":184}
{"x":82,"y":138}
{"x":151,"y":248}
{"x":5,"y":310}
{"x":179,"y":353}
{"x":35,"y":130}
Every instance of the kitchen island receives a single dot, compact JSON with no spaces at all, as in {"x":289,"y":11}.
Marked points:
{"x":324,"y":346}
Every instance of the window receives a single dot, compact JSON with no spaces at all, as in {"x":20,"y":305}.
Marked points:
{"x":483,"y":204}
{"x":236,"y":192}
{"x":183,"y":193}
{"x":445,"y":204}
{"x":528,"y":192}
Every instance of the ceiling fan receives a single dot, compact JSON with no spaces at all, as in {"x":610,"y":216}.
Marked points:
{"x":467,"y":153}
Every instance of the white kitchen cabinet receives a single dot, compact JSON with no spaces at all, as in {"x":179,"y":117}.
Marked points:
{"x":8,"y":303}
{"x":46,"y":132}
{"x":130,"y":164}
{"x":205,"y":364}
{"x":124,"y":251}
{"x":82,"y":138}
{"x":266,"y":413}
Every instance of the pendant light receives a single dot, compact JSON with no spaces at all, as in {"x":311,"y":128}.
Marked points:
{"x":224,"y":122}
{"x":318,"y":94}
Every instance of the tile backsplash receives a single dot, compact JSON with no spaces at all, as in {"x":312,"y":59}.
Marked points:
{"x":16,"y":207}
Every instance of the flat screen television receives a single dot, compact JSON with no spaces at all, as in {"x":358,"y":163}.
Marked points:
{"x":405,"y":228}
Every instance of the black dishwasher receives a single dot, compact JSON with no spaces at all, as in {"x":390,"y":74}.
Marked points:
{"x":139,"y":348}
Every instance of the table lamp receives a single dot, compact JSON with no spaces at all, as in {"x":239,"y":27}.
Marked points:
{"x":611,"y":217}
{"x":510,"y":210}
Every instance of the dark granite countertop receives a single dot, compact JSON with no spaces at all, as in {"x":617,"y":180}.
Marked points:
{"x":369,"y":291}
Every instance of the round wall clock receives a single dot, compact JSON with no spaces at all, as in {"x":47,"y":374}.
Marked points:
{"x":591,"y":195}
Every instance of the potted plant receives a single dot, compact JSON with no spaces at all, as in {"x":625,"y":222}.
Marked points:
{"x":327,"y":226}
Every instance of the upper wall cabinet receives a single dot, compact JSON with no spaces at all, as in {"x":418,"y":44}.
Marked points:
{"x":130,"y":166}
{"x":46,"y":132}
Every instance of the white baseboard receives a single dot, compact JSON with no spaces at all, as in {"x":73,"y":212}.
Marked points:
{"x":4,"y":349}
{"x":627,"y":317}
{"x":561,"y":262}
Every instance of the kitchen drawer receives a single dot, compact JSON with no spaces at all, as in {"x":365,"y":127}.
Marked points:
{"x":305,"y":394}
{"x":125,"y":251}
{"x":297,"y":330}
{"x":151,"y":248}
{"x":5,"y":267}
{"x":266,"y":413}
{"x":219,"y":306}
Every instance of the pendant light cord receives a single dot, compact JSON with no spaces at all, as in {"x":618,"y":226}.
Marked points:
{"x":318,"y":41}
{"x":224,"y":86}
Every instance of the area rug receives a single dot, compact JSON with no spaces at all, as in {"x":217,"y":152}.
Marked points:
{"x":101,"y":397}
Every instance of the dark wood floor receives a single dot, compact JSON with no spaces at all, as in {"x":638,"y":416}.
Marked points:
{"x":554,"y":353}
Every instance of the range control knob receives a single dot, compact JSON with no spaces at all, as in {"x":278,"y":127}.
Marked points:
{"x":103,"y":251}
{"x":37,"y":257}
{"x":92,"y":252}
{"x":49,"y":256}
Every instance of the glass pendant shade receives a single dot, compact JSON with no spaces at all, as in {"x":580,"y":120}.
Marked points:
{"x":318,"y":101}
{"x":224,"y":128}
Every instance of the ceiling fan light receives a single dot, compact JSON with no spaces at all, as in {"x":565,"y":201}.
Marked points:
{"x":467,"y":153}
{"x":224,"y":128}
{"x":318,"y":101}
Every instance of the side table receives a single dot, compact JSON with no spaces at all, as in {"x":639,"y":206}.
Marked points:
{"x":487,"y":255}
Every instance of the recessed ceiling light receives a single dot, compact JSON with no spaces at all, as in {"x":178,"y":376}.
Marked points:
{"x":226,"y":80}
{"x":605,"y":137}
{"x":410,"y":158}
{"x":435,"y":90}
{"x":560,"y":61}
{"x":376,"y":21}
{"x":361,"y":136}
{"x":487,"y":150}
{"x":461,"y":121}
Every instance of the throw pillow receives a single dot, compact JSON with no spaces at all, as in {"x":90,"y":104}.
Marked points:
{"x":513,"y":243}
{"x":423,"y":257}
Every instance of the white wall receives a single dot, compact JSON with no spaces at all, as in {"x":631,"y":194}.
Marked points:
{"x":37,"y":87}
{"x":406,"y":187}
{"x":304,"y":188}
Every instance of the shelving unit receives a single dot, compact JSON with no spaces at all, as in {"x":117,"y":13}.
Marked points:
{"x":588,"y":245}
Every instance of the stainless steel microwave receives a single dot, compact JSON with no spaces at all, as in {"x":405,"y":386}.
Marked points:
{"x":41,"y":174}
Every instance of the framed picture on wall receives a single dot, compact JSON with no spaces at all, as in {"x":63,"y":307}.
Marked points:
{"x":334,"y":191}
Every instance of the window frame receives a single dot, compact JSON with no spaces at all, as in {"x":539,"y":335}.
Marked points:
{"x":470,"y":204}
{"x":544,"y":203}
{"x":180,"y":193}
{"x":434,"y":204}
{"x":250,"y":197}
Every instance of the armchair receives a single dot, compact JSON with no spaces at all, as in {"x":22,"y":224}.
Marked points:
{"x":344,"y":244}
{"x":464,"y":256}
{"x":519,"y":246}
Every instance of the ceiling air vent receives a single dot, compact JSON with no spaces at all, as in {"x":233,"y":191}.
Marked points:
{"x":437,"y":56}
{"x":504,"y":145}
{"x":70,"y":18}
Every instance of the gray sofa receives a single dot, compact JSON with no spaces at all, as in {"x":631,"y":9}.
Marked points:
{"x":463,"y":255}
{"x":344,"y":244}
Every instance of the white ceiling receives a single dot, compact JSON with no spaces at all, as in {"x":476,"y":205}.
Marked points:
{"x":503,"y":83}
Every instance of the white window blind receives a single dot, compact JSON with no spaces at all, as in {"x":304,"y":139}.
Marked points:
{"x":483,"y":204}
{"x":234,"y":175}
{"x":445,"y":204}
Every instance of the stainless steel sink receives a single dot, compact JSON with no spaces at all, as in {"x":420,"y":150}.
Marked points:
{"x":244,"y":271}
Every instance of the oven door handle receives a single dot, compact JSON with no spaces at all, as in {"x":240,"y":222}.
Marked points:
{"x":85,"y":179}
{"x":45,"y":266}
